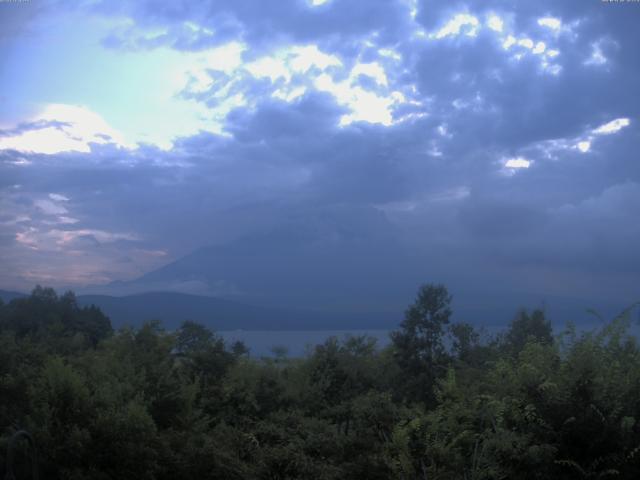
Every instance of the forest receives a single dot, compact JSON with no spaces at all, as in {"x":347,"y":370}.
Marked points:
{"x":442,"y":401}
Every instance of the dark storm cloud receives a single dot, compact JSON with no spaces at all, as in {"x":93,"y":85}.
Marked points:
{"x":270,"y":21}
{"x":518,"y":103}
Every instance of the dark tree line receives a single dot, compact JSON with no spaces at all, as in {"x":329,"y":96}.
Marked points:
{"x":440,"y":402}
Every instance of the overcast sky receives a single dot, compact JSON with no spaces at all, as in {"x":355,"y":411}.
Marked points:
{"x":490,"y":145}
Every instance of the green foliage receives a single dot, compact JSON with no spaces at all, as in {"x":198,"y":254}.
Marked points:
{"x":59,"y":320}
{"x":150,"y":404}
{"x":419,"y":347}
{"x":525,"y":328}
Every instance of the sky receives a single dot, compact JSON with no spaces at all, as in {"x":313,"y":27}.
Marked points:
{"x":492,"y":146}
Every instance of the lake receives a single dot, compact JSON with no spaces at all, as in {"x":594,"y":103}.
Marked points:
{"x":297,"y":342}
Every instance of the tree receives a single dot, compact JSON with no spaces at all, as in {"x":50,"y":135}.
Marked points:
{"x":527,"y":328}
{"x":419,"y":349}
{"x":464,"y":340}
{"x":193,"y":337}
{"x":44,"y":314}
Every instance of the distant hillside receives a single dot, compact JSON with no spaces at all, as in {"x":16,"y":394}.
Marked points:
{"x":6,"y":295}
{"x":173,"y":308}
{"x":310,"y":263}
{"x":318,"y":263}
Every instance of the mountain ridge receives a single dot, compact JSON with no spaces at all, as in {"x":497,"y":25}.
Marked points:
{"x":172,"y":308}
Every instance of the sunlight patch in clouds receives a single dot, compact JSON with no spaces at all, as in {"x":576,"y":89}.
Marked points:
{"x":306,"y":56}
{"x":76,"y":129}
{"x":550,"y":22}
{"x":226,"y":59}
{"x":365,"y":106}
{"x":294,"y":70}
{"x":389,"y":53}
{"x":526,"y":43}
{"x":554,"y":149}
{"x":158,"y":113}
{"x":269,"y":67}
{"x":539,"y":48}
{"x":456,"y":25}
{"x":509,"y":42}
{"x":517,"y":163}
{"x":495,"y":23}
{"x":584,"y":146}
{"x":373,"y":70}
{"x":289,"y":95}
{"x":536,"y":48}
{"x":289,"y":61}
{"x":612,"y":126}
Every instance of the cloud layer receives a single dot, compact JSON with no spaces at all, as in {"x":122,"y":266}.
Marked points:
{"x":492,"y":147}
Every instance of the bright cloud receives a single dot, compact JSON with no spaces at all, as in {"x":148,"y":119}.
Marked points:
{"x":269,"y":67}
{"x":526,"y":43}
{"x":495,"y":23}
{"x":555,"y":148}
{"x":305,"y":57}
{"x":289,"y":95}
{"x":517,"y":162}
{"x":550,"y":22}
{"x":293,"y":60}
{"x":584,"y":146}
{"x":373,"y":70}
{"x":509,"y":42}
{"x":456,"y":25}
{"x":612,"y":127}
{"x":389,"y":53}
{"x":63,"y":128}
{"x":296,"y":69}
{"x":539,"y":48}
{"x":195,"y":72}
{"x":365,"y":106}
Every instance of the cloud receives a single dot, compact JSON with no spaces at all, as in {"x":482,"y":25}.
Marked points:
{"x":456,"y":24}
{"x":60,"y":128}
{"x":50,"y":208}
{"x":518,"y":162}
{"x":550,"y":22}
{"x":58,"y":198}
{"x":494,"y":22}
{"x":612,"y":127}
{"x":482,"y":145}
